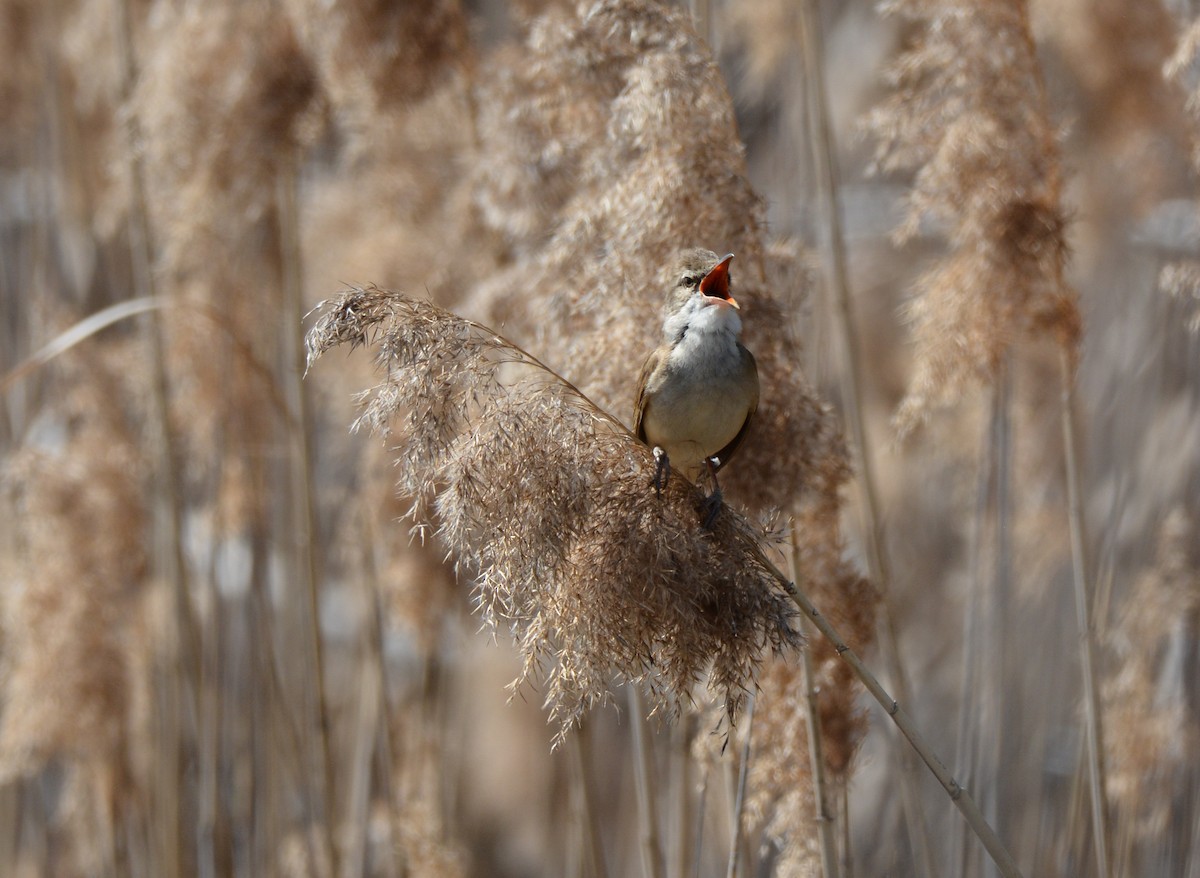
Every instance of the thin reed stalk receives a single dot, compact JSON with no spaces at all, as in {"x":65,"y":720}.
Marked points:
{"x":826,"y":822}
{"x":301,"y":466}
{"x":981,"y":693}
{"x":681,"y":794}
{"x":375,"y":646}
{"x":965,"y":749}
{"x":358,"y":795}
{"x":643,"y":777}
{"x":702,"y":801}
{"x":838,"y":287}
{"x":1101,"y":831}
{"x":579,"y":746}
{"x":287,"y":747}
{"x":999,"y":591}
{"x":178,"y":745}
{"x":958,"y":794}
{"x":846,"y":861}
{"x":739,"y":803}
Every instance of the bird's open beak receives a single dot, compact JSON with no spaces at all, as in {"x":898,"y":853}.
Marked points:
{"x":716,"y":282}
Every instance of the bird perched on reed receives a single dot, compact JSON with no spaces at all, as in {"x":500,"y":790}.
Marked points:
{"x":699,"y":388}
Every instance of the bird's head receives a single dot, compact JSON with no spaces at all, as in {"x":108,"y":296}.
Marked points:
{"x":702,"y":292}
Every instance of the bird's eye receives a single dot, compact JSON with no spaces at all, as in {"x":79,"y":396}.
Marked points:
{"x":690,"y":280}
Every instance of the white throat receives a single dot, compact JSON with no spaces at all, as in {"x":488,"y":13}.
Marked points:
{"x":702,"y":329}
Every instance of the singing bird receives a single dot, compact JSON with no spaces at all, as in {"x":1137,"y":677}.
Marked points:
{"x":699,"y":388}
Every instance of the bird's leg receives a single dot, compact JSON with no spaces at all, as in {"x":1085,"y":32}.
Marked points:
{"x":713,"y":503}
{"x":662,"y":470}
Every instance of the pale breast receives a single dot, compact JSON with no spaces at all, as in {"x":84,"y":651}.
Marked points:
{"x":695,"y":414}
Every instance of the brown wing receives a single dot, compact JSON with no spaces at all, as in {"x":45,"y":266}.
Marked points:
{"x":639,"y":407}
{"x":727,"y":452}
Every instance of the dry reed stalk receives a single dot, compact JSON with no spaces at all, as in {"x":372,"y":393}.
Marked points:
{"x":579,"y":745}
{"x":824,"y":818}
{"x":985,"y":618}
{"x":969,"y":731}
{"x":301,"y":460}
{"x":781,"y":789}
{"x":217,"y":132}
{"x":970,"y":115}
{"x":680,"y":762}
{"x":376,"y":655}
{"x":184,"y":684}
{"x":645,"y":782}
{"x":1082,"y":579}
{"x":610,"y":582}
{"x":838,"y":286}
{"x":958,"y":795}
{"x":702,"y":800}
{"x":826,"y":840}
{"x":738,"y":840}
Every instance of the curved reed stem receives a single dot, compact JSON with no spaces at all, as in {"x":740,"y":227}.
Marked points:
{"x":958,"y":794}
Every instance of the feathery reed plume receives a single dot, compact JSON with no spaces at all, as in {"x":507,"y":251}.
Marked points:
{"x":969,"y":115}
{"x":70,"y":604}
{"x":1182,"y":279}
{"x":1115,"y":50}
{"x":767,"y":30}
{"x":1183,"y":69}
{"x":1155,"y":747}
{"x":218,"y":127}
{"x":218,"y":131}
{"x":372,"y":55}
{"x":546,"y":499}
{"x":395,"y":80}
{"x":425,"y":850}
{"x":782,"y":796}
{"x":21,"y":35}
{"x":781,"y":800}
{"x":614,"y":146}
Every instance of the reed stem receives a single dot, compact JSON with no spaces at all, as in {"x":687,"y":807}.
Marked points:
{"x":178,"y":745}
{"x":643,"y":772}
{"x":816,"y":757}
{"x":301,"y":470}
{"x":1101,"y":831}
{"x":828,"y":184}
{"x":958,"y":794}
{"x":739,"y":805}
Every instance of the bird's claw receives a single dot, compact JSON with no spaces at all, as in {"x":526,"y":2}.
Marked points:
{"x":662,"y":470}
{"x":712,"y":506}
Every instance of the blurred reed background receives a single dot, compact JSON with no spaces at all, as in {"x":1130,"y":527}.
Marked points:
{"x":966,"y":240}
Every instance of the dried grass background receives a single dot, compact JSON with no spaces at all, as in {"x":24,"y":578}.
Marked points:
{"x":226,"y":650}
